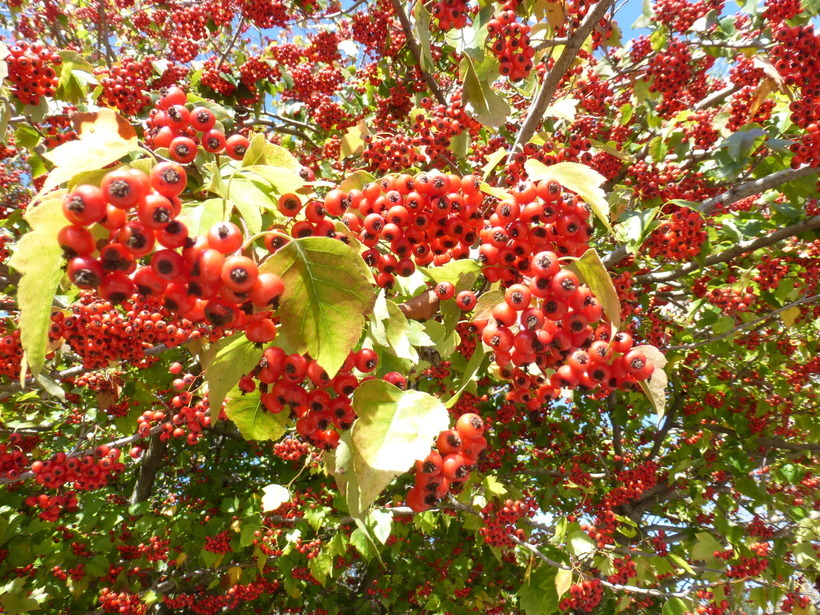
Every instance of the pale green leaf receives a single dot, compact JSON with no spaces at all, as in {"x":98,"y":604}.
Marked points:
{"x":199,"y":217}
{"x":235,"y":356}
{"x":38,"y":257}
{"x":563,"y":581}
{"x":593,"y":272}
{"x":251,"y":418}
{"x":394,"y":427}
{"x":104,"y":137}
{"x":421,"y":29}
{"x":655,"y":387}
{"x":482,"y":102}
{"x":327,"y":294}
{"x":380,"y":523}
{"x":273,"y":496}
{"x":580,"y":543}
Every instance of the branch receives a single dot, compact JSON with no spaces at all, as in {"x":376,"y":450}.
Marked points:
{"x":751,"y":323}
{"x":768,"y":442}
{"x":283,"y":129}
{"x":743,"y":191}
{"x":239,"y":27}
{"x":667,"y":425}
{"x":553,"y":78}
{"x":757,"y":186}
{"x":7,"y":390}
{"x":414,"y":49}
{"x":152,"y":461}
{"x":732,"y":253}
{"x":81,"y":453}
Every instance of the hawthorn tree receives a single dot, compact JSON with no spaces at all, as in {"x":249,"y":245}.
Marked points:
{"x":429,"y":307}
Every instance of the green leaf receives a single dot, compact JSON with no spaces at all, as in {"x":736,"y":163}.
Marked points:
{"x":675,"y":606}
{"x":494,"y":487}
{"x":492,"y":162}
{"x":743,"y":142}
{"x":356,"y":181}
{"x":594,"y":273}
{"x":327,"y":294}
{"x":635,"y":228}
{"x":421,"y":29}
{"x":283,"y":180}
{"x":485,"y":304}
{"x":471,"y":372}
{"x":538,"y":595}
{"x":252,"y":419}
{"x":461,"y":273}
{"x":655,"y":387}
{"x":705,"y":546}
{"x":250,"y":199}
{"x":200,"y":217}
{"x":579,"y":178}
{"x":380,"y":523}
{"x":321,"y":566}
{"x":394,"y":427}
{"x":273,"y":495}
{"x":14,"y":604}
{"x":580,"y":543}
{"x":484,"y":103}
{"x":38,"y":257}
{"x":235,"y":357}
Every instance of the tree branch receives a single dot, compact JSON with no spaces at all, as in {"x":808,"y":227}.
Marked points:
{"x":553,"y":78}
{"x":414,"y":49}
{"x":745,"y":325}
{"x":732,"y":195}
{"x":758,"y":186}
{"x":151,"y":462}
{"x":732,"y":253}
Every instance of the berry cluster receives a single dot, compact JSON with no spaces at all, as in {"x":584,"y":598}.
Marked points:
{"x":13,"y":459}
{"x":125,"y":85}
{"x":511,"y":43}
{"x":31,"y":71}
{"x":584,"y":596}
{"x":85,"y":472}
{"x":181,"y":130}
{"x":456,"y":451}
{"x":680,"y":237}
{"x":53,"y":505}
{"x":208,"y":281}
{"x":450,"y":14}
{"x":500,"y":521}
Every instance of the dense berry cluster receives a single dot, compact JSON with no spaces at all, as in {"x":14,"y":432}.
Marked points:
{"x":456,"y":451}
{"x":182,"y":131}
{"x":500,"y":521}
{"x":584,"y":596}
{"x":31,"y":71}
{"x":680,"y":237}
{"x":84,"y":472}
{"x":510,"y":42}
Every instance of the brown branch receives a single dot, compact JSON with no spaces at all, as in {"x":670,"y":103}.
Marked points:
{"x":414,"y":49}
{"x":553,"y":78}
{"x":7,"y":390}
{"x":724,"y":257}
{"x":758,"y":186}
{"x":732,"y":195}
{"x":767,"y":441}
{"x":151,"y":462}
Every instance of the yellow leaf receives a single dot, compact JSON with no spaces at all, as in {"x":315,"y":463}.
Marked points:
{"x":104,"y":137}
{"x":563,"y":581}
{"x":789,"y":316}
{"x":655,"y":387}
{"x":39,"y":258}
{"x":579,"y":178}
{"x":234,"y":572}
{"x":594,"y":274}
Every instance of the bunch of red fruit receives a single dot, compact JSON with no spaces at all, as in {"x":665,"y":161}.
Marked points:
{"x":31,"y":70}
{"x":456,"y":451}
{"x":207,"y":280}
{"x":182,"y":130}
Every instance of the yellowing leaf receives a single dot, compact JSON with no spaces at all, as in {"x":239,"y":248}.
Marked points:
{"x":594,"y":274}
{"x":274,"y":496}
{"x":104,"y":137}
{"x":252,"y":419}
{"x":563,"y":109}
{"x":790,"y":315}
{"x":655,"y":387}
{"x":394,"y":427}
{"x":327,"y":295}
{"x":563,"y":581}
{"x":38,"y":257}
{"x":353,"y":141}
{"x":493,"y":191}
{"x":492,"y":162}
{"x":234,"y":573}
{"x":579,"y":178}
